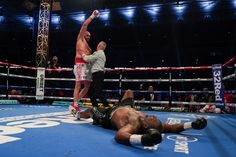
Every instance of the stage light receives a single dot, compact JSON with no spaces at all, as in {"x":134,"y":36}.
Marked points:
{"x":55,"y":19}
{"x":1,"y":18}
{"x":128,"y":12}
{"x":104,"y":15}
{"x":79,"y":17}
{"x":179,"y":9}
{"x":234,"y":3}
{"x":207,"y":6}
{"x":25,"y":19}
{"x":29,"y":19}
{"x":153,"y":11}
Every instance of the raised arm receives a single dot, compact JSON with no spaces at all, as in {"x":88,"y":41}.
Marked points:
{"x":86,"y":23}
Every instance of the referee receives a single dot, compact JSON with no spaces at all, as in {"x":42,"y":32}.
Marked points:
{"x":98,"y":60}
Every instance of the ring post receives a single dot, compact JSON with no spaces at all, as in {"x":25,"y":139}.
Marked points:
{"x":7,"y":82}
{"x":170,"y":87}
{"x":120,"y":85}
{"x":218,"y":84}
{"x":40,"y":83}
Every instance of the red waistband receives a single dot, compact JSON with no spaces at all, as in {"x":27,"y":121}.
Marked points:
{"x":80,"y":60}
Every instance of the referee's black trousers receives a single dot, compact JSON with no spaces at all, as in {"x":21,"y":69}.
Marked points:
{"x":95,"y":90}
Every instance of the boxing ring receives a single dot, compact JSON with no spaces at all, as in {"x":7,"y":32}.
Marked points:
{"x":39,"y":124}
{"x":32,"y":130}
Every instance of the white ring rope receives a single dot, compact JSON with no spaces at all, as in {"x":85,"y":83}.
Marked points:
{"x":229,"y":76}
{"x":17,"y":76}
{"x":114,"y":80}
{"x":60,"y":79}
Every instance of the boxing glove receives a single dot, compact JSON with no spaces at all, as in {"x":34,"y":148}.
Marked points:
{"x":97,"y":116}
{"x":94,"y":14}
{"x":200,"y":123}
{"x":152,"y":137}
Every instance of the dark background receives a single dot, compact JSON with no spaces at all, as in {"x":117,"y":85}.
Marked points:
{"x":195,"y":38}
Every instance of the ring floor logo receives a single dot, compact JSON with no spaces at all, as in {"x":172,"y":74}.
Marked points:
{"x":19,"y":124}
{"x":181,"y":141}
{"x":190,"y":115}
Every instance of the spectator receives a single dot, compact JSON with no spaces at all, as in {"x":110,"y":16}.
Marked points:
{"x":53,"y":64}
{"x":149,"y":96}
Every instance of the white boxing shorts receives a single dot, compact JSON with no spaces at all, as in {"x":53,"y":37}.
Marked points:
{"x":82,"y":72}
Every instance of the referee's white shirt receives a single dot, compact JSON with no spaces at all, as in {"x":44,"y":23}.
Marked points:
{"x":98,"y":60}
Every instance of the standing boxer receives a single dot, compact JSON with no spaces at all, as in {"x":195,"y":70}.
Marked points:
{"x":82,"y":69}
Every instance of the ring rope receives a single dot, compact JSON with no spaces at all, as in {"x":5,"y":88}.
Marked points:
{"x":17,"y":76}
{"x":60,"y":79}
{"x":114,"y":80}
{"x":230,"y":61}
{"x":17,"y":66}
{"x":229,"y":76}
